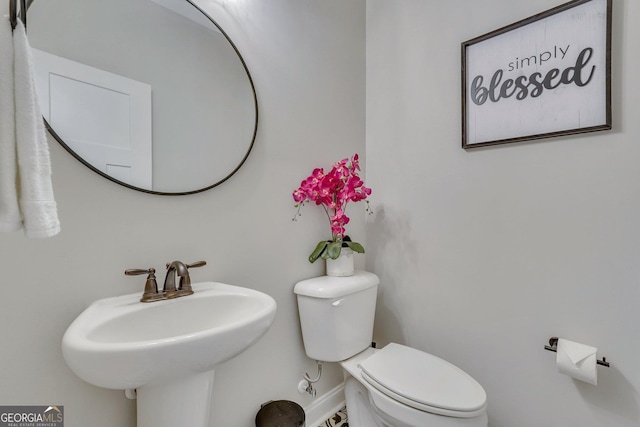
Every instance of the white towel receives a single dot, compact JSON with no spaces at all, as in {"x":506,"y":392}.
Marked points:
{"x":10,"y":219}
{"x":37,"y":204}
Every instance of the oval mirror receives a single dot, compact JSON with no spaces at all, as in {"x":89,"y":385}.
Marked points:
{"x":151,"y":94}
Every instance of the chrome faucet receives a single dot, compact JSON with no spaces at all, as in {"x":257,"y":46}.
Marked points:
{"x":169,"y":289}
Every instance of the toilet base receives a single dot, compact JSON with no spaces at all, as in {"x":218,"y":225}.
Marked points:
{"x":358,"y":405}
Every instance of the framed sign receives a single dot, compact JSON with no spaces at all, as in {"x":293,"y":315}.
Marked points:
{"x":544,"y":76}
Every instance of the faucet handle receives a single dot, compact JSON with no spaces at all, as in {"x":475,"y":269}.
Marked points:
{"x":150,"y":287}
{"x":185,"y":281}
{"x":196,"y":264}
{"x":138,"y":271}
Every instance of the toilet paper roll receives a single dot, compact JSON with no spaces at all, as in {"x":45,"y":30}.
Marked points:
{"x":577,"y":360}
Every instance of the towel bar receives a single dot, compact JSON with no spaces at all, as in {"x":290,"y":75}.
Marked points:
{"x":553,"y":346}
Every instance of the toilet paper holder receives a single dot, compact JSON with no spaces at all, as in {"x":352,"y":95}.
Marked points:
{"x":553,"y":346}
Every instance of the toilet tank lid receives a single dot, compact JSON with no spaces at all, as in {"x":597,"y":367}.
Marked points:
{"x":336,"y":287}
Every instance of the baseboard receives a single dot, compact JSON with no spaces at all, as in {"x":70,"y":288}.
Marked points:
{"x":325,"y":406}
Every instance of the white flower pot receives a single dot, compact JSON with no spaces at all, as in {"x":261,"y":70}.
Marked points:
{"x":341,"y":266}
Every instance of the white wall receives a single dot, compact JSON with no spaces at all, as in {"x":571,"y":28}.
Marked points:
{"x":485,"y":254}
{"x":307,"y":60}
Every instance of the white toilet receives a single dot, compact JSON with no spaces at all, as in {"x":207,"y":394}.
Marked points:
{"x":396,"y":386}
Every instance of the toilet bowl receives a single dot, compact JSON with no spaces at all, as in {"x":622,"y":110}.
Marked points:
{"x":396,"y":386}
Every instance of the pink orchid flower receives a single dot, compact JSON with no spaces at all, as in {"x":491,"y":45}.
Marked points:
{"x":333,"y":191}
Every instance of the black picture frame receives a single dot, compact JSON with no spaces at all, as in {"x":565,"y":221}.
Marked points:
{"x":541,"y":77}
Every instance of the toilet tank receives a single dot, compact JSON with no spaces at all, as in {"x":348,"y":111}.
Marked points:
{"x":336,"y":314}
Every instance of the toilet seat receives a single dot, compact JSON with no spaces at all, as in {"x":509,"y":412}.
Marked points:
{"x":424,"y":382}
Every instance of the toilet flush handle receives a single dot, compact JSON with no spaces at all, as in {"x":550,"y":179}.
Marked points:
{"x":337,"y":303}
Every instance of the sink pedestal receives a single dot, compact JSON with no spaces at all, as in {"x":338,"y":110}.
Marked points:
{"x":181,"y":402}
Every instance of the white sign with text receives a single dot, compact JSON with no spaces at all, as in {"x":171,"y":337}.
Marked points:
{"x":545,"y":76}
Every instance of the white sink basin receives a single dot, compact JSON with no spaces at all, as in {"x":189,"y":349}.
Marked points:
{"x":121,"y":343}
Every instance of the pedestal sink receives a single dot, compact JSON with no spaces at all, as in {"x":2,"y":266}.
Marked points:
{"x":166,"y":350}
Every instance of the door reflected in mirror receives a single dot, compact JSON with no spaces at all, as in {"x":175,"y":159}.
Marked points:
{"x":149,"y":93}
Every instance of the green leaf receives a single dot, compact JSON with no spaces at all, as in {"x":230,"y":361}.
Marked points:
{"x":333,"y":250}
{"x":355,"y":247}
{"x":319,"y":250}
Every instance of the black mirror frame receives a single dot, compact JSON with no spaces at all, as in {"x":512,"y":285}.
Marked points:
{"x":183,"y":193}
